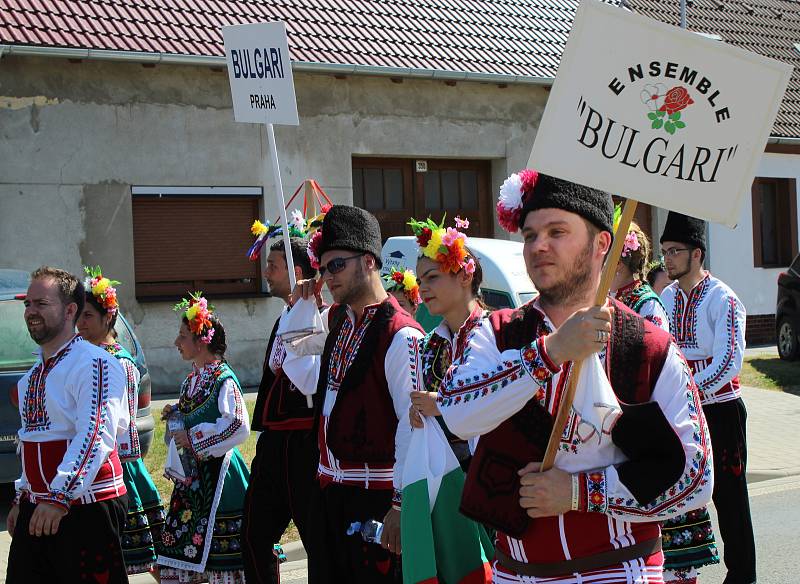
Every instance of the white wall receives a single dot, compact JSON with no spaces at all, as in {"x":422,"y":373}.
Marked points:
{"x":731,"y":250}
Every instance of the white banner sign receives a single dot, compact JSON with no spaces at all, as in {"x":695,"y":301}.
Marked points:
{"x":260,"y":72}
{"x":658,"y":114}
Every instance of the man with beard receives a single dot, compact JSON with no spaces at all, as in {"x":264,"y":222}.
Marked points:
{"x":71,"y":500}
{"x":635,"y":449}
{"x":363,"y":381}
{"x":707,"y":320}
{"x":283,"y":469}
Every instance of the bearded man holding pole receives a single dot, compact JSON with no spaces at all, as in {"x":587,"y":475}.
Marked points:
{"x":635,"y":448}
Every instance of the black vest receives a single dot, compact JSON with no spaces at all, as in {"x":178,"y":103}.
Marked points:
{"x":279,"y":405}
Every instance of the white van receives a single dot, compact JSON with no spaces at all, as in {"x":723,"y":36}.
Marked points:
{"x":505,"y":280}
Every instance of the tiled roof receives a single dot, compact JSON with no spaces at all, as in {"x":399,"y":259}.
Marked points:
{"x":767,"y":27}
{"x":507,"y":37}
{"x":523,"y":38}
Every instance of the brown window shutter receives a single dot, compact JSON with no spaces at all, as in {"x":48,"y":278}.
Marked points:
{"x":182,"y":244}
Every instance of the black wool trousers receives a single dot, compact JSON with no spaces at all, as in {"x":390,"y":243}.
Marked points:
{"x":282,"y":475}
{"x":85,"y":549}
{"x":340,"y":557}
{"x":726,"y":424}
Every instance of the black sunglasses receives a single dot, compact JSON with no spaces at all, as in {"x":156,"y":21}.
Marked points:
{"x":336,"y":265}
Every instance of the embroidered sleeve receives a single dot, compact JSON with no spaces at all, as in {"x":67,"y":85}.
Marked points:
{"x":102,"y":410}
{"x":728,"y":348}
{"x":603,"y":491}
{"x":402,"y":374}
{"x":655,"y":313}
{"x":303,"y":370}
{"x":128,"y":442}
{"x":484,"y":387}
{"x":230,"y":429}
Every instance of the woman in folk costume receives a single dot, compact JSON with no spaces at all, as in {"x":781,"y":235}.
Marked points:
{"x":687,"y":540}
{"x":145,"y":517}
{"x":404,"y":287}
{"x":446,"y":544}
{"x":629,"y":285}
{"x":201,"y":537}
{"x":449,"y":284}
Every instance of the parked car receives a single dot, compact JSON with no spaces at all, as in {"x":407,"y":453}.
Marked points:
{"x":787,"y":312}
{"x":17,"y":356}
{"x":505,"y":280}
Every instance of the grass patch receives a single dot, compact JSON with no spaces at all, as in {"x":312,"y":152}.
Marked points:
{"x":157,"y":456}
{"x":771,"y":372}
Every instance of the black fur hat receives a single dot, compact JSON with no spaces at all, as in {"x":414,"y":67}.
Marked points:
{"x":685,"y":229}
{"x":554,"y":193}
{"x":350,"y":228}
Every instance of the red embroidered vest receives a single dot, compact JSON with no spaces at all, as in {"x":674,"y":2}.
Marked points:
{"x":362,"y":425}
{"x":638,"y":350}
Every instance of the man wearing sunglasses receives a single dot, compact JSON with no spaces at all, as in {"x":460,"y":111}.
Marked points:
{"x":363,"y":379}
{"x":284,"y":468}
{"x":707,"y":320}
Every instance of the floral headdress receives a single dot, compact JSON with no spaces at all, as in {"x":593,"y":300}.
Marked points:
{"x":632,"y":242}
{"x":513,"y":193}
{"x":263,"y":232}
{"x":404,"y":281}
{"x":102,"y":288}
{"x":446,"y":246}
{"x":314,"y":234}
{"x":299,"y":226}
{"x":198,"y":312}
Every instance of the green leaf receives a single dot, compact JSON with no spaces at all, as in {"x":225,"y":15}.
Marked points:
{"x":661,"y":113}
{"x":680,"y":125}
{"x":669,"y":127}
{"x":675,"y":117}
{"x":652,"y":116}
{"x":657,"y":124}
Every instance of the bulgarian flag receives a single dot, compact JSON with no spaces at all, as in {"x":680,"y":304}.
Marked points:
{"x":440,"y":545}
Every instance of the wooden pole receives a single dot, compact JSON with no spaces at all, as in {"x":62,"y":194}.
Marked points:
{"x":606,"y":278}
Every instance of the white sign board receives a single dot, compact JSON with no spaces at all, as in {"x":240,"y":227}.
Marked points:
{"x":260,"y":72}
{"x":658,"y":114}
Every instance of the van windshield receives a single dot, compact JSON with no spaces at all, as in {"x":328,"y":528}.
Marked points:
{"x":16,"y":346}
{"x":525,"y":297}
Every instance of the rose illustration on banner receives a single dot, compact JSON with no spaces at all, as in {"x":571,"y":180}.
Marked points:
{"x":668,"y":113}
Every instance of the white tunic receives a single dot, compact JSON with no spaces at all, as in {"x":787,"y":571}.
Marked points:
{"x":72,"y":406}
{"x":709,"y":326}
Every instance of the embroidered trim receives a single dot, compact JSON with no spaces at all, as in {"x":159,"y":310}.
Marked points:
{"x":133,"y":448}
{"x":596,"y":491}
{"x":397,"y":499}
{"x":34,"y":405}
{"x":707,"y":385}
{"x":696,"y":473}
{"x":201,"y":446}
{"x":684,"y":314}
{"x":635,"y":294}
{"x":346,"y":347}
{"x":98,"y":419}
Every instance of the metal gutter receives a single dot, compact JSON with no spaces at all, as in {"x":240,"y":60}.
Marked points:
{"x":297,"y":66}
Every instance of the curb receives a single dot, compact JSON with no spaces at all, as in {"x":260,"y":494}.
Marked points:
{"x":294,"y":551}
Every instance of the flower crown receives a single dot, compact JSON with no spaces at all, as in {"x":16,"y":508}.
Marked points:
{"x":446,"y":246}
{"x":299,"y":226}
{"x":198,"y":312}
{"x":102,"y":288}
{"x":314,"y":234}
{"x":404,"y":281}
{"x":515,"y":190}
{"x":632,"y":242}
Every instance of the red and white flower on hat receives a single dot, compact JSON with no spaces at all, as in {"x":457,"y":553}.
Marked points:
{"x":513,"y":193}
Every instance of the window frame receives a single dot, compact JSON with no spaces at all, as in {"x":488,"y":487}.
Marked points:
{"x":784,"y":187}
